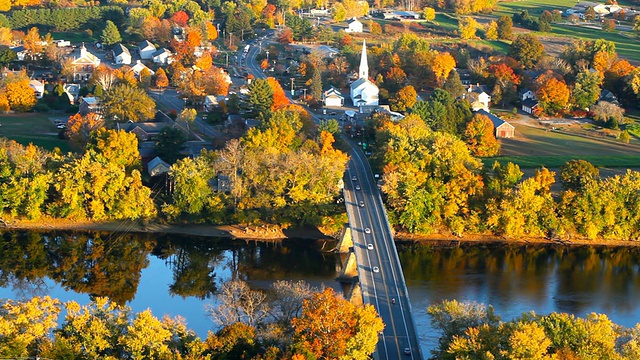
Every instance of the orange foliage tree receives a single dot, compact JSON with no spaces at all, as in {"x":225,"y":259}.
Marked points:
{"x":553,"y":95}
{"x":194,"y":39}
{"x":180,"y":18}
{"x":212,"y":32}
{"x":442,"y":65}
{"x":280,"y":99}
{"x":79,"y":128}
{"x":20,"y":95}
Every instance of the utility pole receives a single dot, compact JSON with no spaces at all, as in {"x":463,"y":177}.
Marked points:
{"x":304,"y":91}
{"x":292,"y":92}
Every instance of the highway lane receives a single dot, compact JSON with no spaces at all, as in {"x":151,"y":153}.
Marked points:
{"x":386,"y":289}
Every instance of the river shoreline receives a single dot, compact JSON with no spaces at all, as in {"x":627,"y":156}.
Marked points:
{"x":273,"y":233}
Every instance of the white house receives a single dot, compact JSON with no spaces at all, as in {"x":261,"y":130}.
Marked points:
{"x":146,"y":50}
{"x":158,"y":166}
{"x":530,"y":106}
{"x":478,"y":97}
{"x":121,"y":54}
{"x":21,"y":52}
{"x":83,"y":63}
{"x":138,"y":67}
{"x":72,"y":91}
{"x":525,"y":94}
{"x":162,"y":56}
{"x":89,"y":105}
{"x":353,"y":25}
{"x":211,"y":101}
{"x":38,"y":87}
{"x":363,"y":91}
{"x":332,"y":98}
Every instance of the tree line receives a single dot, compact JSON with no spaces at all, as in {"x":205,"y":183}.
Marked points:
{"x":474,"y":331}
{"x":64,"y":19}
{"x":291,"y":323}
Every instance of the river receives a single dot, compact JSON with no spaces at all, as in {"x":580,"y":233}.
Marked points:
{"x":178,"y":275}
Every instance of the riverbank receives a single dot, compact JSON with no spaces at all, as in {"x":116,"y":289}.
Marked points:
{"x":270,"y":232}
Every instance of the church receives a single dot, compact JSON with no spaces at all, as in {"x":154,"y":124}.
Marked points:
{"x":363,"y":91}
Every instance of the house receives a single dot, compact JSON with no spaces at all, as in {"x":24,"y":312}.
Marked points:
{"x":157,"y":167}
{"x":72,"y":91}
{"x":138,"y":67}
{"x":83,"y":63}
{"x":162,"y":56}
{"x":478,"y":96}
{"x":354,"y":26}
{"x":21,"y":52}
{"x":121,"y":54}
{"x":145,"y":131}
{"x":530,"y":106}
{"x":332,"y":98}
{"x":525,"y":94}
{"x":504,"y":130}
{"x":38,"y":87}
{"x":608,"y":96}
{"x":146,"y":50}
{"x":89,"y":105}
{"x":211,"y":101}
{"x":221,"y":183}
{"x":363,"y":91}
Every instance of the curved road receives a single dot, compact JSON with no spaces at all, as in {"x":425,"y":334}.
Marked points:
{"x":385,"y":289}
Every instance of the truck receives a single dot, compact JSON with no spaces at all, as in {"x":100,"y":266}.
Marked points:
{"x":63,"y":43}
{"x":246,"y":49}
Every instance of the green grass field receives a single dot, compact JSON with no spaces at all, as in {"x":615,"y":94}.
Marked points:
{"x":535,"y":147}
{"x":534,"y":7}
{"x":74,"y":37}
{"x":626,"y":47}
{"x":32,"y":128}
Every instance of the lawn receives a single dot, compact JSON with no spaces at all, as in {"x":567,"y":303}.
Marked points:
{"x":534,"y":7}
{"x":74,"y":37}
{"x":535,"y":147}
{"x":626,"y":47}
{"x":32,"y":128}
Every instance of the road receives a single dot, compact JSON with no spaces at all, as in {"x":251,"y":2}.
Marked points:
{"x":386,"y":289}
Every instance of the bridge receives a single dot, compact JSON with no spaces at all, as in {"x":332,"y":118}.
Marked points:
{"x":372,"y":266}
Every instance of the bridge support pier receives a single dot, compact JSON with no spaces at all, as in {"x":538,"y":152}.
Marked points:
{"x":354,"y":296}
{"x":349,"y":269}
{"x":346,"y":241}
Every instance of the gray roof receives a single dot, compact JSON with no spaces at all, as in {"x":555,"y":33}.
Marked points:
{"x":530,"y":103}
{"x":148,"y":127}
{"x":120,"y":49}
{"x":146,"y":44}
{"x":497,"y":122}
{"x":160,"y":52}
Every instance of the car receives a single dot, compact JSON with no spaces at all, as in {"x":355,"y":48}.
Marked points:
{"x":361,"y":203}
{"x":358,"y":187}
{"x":370,"y":246}
{"x":367,"y":231}
{"x":354,"y":178}
{"x":407,"y":351}
{"x":376,"y":269}
{"x":61,"y":126}
{"x":333,"y":113}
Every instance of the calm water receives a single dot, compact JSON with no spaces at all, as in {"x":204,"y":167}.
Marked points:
{"x":178,"y":275}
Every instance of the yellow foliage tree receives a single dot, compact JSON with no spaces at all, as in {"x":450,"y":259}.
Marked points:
{"x":467,"y":27}
{"x":442,"y":65}
{"x":20,"y":95}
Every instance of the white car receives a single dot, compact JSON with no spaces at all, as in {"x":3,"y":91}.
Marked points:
{"x":367,"y":231}
{"x":376,"y":269}
{"x":361,"y":203}
{"x":354,"y":178}
{"x":358,"y":187}
{"x":407,"y":351}
{"x":370,"y":246}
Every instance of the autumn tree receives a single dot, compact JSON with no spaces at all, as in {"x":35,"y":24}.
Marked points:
{"x":480,"y":136}
{"x":280,"y":99}
{"x":608,"y":114}
{"x":404,"y":99}
{"x":505,"y":27}
{"x":575,"y":174}
{"x":161,"y":80}
{"x":331,"y":327}
{"x":428,"y":13}
{"x":285,"y":37}
{"x":20,"y":96}
{"x":491,"y":32}
{"x":467,"y":27}
{"x":240,"y":304}
{"x":443,"y":64}
{"x":124,"y":102}
{"x":553,"y":95}
{"x":180,"y":18}
{"x":79,"y":128}
{"x":527,"y":49}
{"x":32,"y":42}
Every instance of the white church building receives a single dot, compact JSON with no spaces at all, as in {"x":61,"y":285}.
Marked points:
{"x":363,"y":91}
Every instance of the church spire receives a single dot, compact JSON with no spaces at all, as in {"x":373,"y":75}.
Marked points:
{"x":364,"y":65}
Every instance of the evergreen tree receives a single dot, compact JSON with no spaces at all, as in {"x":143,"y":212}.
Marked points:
{"x":453,"y":85}
{"x":316,"y":85}
{"x":260,"y":97}
{"x":110,"y":34}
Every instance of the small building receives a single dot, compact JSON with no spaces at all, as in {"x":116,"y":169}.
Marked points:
{"x":138,"y":67}
{"x":38,"y":87}
{"x":84,"y":63}
{"x":354,"y":26}
{"x":162,"y":56}
{"x":89,"y":105}
{"x":121,"y":54}
{"x":525,"y":94}
{"x":145,"y":131}
{"x":21,"y":52}
{"x":157,"y":167}
{"x":211,"y":101}
{"x":332,"y":98}
{"x":504,"y":130}
{"x":221,"y":183}
{"x":608,"y":96}
{"x":530,"y":106}
{"x":146,"y":50}
{"x":72,"y":91}
{"x":478,"y":96}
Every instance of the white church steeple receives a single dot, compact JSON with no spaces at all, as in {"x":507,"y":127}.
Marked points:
{"x":364,"y":65}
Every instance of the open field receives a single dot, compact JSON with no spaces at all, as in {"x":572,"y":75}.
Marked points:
{"x":534,"y":147}
{"x":31,"y":128}
{"x":74,"y":37}
{"x":627,"y":47}
{"x":534,"y":7}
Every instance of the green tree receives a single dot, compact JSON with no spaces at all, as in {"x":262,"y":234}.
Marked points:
{"x":587,"y":89}
{"x":316,"y":85}
{"x":124,"y":102}
{"x":527,"y":49}
{"x":170,"y":143}
{"x":260,"y":97}
{"x":505,"y":27}
{"x":192,"y":193}
{"x":7,"y":56}
{"x":453,"y":85}
{"x":575,"y":174}
{"x":110,"y":35}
